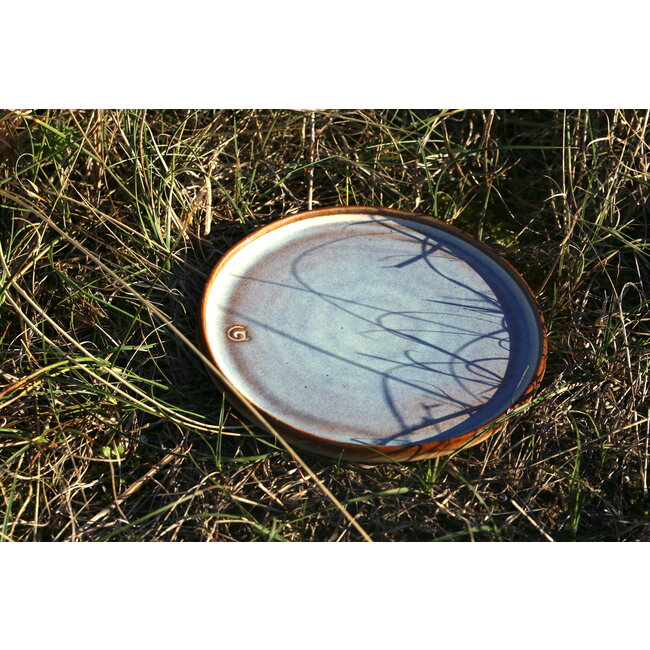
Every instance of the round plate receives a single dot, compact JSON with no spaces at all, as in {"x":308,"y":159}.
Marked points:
{"x":372,"y":333}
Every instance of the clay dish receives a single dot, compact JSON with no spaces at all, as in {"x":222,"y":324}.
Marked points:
{"x":373,"y":334}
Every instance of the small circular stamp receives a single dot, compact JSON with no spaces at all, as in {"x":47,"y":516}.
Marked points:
{"x":237,"y":333}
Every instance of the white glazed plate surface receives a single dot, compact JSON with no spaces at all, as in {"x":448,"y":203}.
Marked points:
{"x":372,"y":330}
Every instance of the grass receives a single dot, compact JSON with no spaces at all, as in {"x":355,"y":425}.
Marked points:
{"x":110,"y":221}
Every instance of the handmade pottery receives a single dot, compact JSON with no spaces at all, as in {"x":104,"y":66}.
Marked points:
{"x":373,"y":334}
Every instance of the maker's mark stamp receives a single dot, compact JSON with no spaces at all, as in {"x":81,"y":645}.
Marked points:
{"x":237,"y":333}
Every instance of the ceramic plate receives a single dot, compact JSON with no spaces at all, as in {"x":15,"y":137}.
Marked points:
{"x":373,"y":333}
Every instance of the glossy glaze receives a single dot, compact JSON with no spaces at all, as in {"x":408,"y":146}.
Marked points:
{"x":373,"y":332}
